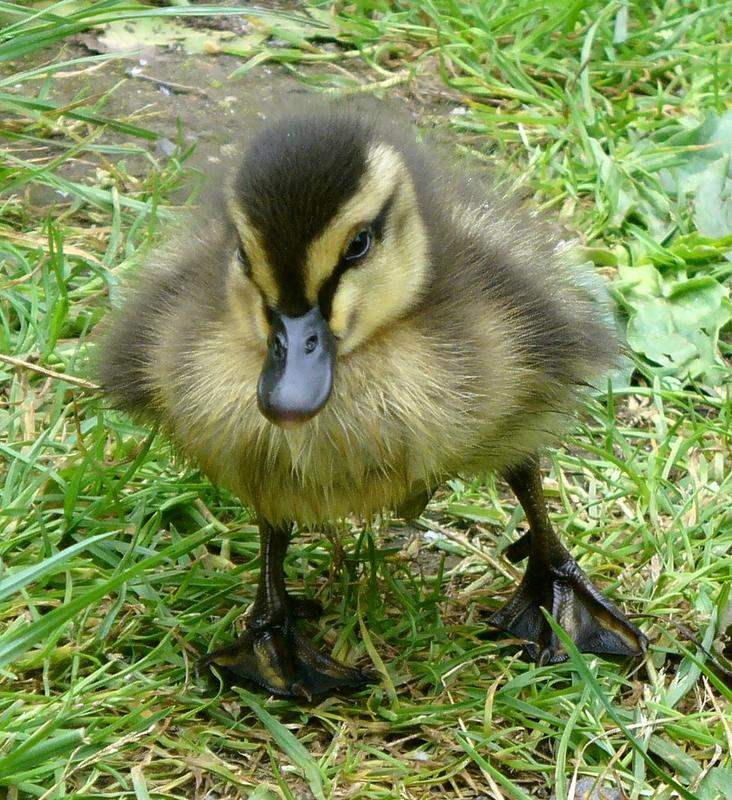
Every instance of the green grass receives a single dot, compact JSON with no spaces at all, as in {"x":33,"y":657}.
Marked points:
{"x":120,"y":564}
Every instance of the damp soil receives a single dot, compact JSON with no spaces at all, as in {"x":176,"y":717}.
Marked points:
{"x":190,"y":101}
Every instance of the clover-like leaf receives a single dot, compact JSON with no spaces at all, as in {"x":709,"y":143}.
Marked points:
{"x":679,"y":332}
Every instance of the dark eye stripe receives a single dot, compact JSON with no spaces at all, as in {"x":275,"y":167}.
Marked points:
{"x":328,"y":289}
{"x":379,"y":223}
{"x":243,"y":259}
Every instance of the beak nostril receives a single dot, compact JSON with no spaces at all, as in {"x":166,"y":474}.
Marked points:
{"x":279,"y":347}
{"x":311,"y":343}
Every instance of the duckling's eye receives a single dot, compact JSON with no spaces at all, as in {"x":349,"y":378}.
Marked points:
{"x":241,"y":257}
{"x":359,"y":246}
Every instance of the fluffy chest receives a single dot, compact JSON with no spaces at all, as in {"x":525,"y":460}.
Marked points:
{"x":397,"y":420}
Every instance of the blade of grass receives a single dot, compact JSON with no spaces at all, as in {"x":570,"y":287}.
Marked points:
{"x":288,"y":744}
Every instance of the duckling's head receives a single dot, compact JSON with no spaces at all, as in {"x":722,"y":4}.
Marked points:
{"x":330,"y":247}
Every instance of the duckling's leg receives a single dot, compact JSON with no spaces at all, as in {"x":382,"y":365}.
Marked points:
{"x":271,"y":651}
{"x":554,"y":581}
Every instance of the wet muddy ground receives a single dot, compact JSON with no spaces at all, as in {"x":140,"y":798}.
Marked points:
{"x":190,"y":98}
{"x":185,"y":100}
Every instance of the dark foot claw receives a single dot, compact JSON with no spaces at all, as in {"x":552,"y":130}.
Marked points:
{"x":593,"y":622}
{"x":285,"y":663}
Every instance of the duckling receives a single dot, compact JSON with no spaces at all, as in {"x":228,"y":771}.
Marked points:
{"x":353,"y":325}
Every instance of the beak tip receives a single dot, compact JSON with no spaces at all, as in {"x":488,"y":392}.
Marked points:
{"x":286,"y":413}
{"x":284,"y":418}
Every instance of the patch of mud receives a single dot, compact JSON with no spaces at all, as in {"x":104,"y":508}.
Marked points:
{"x":185,"y":99}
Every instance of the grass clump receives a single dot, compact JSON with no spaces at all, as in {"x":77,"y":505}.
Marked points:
{"x":120,"y":564}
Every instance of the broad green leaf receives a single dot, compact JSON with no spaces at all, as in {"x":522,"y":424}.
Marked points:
{"x":704,"y":173}
{"x":680,"y":332}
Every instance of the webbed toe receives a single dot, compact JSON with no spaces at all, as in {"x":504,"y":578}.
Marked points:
{"x":282,"y":661}
{"x":593,"y":622}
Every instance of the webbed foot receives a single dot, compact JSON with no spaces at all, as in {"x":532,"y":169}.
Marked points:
{"x":554,"y":581}
{"x":563,"y":589}
{"x":272,"y":652}
{"x":281,"y":660}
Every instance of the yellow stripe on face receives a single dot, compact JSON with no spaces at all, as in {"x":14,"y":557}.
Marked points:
{"x":251,"y":239}
{"x":389,"y":283}
{"x":390,"y":278}
{"x":385,"y":170}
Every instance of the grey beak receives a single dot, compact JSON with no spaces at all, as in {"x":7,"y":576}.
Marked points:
{"x":297,"y":375}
